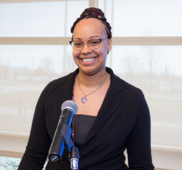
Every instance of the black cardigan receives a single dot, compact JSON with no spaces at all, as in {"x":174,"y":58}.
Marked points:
{"x":123,"y":121}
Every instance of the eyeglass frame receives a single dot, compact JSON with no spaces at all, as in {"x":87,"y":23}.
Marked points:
{"x":100,"y":39}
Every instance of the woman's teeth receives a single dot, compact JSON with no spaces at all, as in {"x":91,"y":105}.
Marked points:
{"x":88,"y":59}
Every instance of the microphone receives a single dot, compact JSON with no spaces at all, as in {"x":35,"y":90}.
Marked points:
{"x":68,"y":108}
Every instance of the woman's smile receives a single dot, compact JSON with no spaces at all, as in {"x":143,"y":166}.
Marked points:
{"x":88,"y":61}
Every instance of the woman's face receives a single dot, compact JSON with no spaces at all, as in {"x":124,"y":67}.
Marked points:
{"x":90,"y":61}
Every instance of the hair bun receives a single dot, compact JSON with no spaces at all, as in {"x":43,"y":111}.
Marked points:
{"x":94,"y":13}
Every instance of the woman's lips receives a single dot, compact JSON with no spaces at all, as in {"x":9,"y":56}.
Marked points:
{"x":88,"y":61}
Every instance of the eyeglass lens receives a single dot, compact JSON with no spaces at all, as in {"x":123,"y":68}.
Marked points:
{"x":92,"y":44}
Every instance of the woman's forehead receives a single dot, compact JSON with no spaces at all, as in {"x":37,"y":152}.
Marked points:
{"x":89,"y":27}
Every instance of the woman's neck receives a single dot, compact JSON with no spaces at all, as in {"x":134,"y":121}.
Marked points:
{"x":92,"y":80}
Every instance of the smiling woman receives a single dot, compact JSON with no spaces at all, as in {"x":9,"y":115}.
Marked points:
{"x":112,"y":114}
{"x":91,"y":31}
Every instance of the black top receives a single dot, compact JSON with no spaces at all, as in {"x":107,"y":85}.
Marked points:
{"x":82,"y":125}
{"x":123,"y":121}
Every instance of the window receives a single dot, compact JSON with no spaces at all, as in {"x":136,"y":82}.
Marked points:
{"x":146,"y":52}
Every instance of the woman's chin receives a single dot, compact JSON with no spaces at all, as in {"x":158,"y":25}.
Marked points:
{"x":90,"y":71}
{"x":87,"y":71}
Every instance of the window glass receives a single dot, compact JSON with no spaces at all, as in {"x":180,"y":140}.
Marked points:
{"x":39,"y":19}
{"x":157,"y":71}
{"x":143,"y":18}
{"x":24,"y":72}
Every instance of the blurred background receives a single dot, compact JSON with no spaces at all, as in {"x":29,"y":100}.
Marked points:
{"x":146,"y":52}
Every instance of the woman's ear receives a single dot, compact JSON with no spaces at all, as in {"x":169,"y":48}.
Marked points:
{"x":109,"y":44}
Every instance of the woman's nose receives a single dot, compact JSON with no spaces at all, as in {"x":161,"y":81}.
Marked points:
{"x":86,"y":48}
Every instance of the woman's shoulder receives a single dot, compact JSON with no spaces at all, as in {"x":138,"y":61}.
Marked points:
{"x":62,"y":81}
{"x":133,"y":96}
{"x":129,"y":87}
{"x":123,"y":85}
{"x":131,"y":93}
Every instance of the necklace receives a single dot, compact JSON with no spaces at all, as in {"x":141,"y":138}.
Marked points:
{"x":84,"y":99}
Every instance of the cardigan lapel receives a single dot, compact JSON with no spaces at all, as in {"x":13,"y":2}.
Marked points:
{"x":111,"y":102}
{"x":65,"y":92}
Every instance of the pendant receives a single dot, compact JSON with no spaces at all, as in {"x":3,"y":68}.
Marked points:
{"x":84,"y":99}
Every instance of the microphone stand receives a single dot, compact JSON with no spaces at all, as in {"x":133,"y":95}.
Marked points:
{"x":73,"y":150}
{"x":74,"y":158}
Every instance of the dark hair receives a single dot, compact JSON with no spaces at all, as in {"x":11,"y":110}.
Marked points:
{"x":94,"y":13}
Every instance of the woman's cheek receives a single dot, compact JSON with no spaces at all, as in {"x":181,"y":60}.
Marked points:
{"x":75,"y":54}
{"x":76,"y":57}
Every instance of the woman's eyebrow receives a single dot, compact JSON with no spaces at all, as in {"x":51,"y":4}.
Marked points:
{"x":94,"y":36}
{"x":77,"y":38}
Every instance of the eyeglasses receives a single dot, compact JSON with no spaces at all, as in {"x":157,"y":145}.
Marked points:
{"x":93,"y":44}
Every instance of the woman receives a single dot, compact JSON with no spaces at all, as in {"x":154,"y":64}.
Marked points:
{"x":112,"y":114}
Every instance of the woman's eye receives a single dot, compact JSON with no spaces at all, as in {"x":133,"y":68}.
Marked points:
{"x":94,"y":42}
{"x":77,"y":43}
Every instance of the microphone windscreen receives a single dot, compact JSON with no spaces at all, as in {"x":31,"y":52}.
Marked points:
{"x":70,"y":104}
